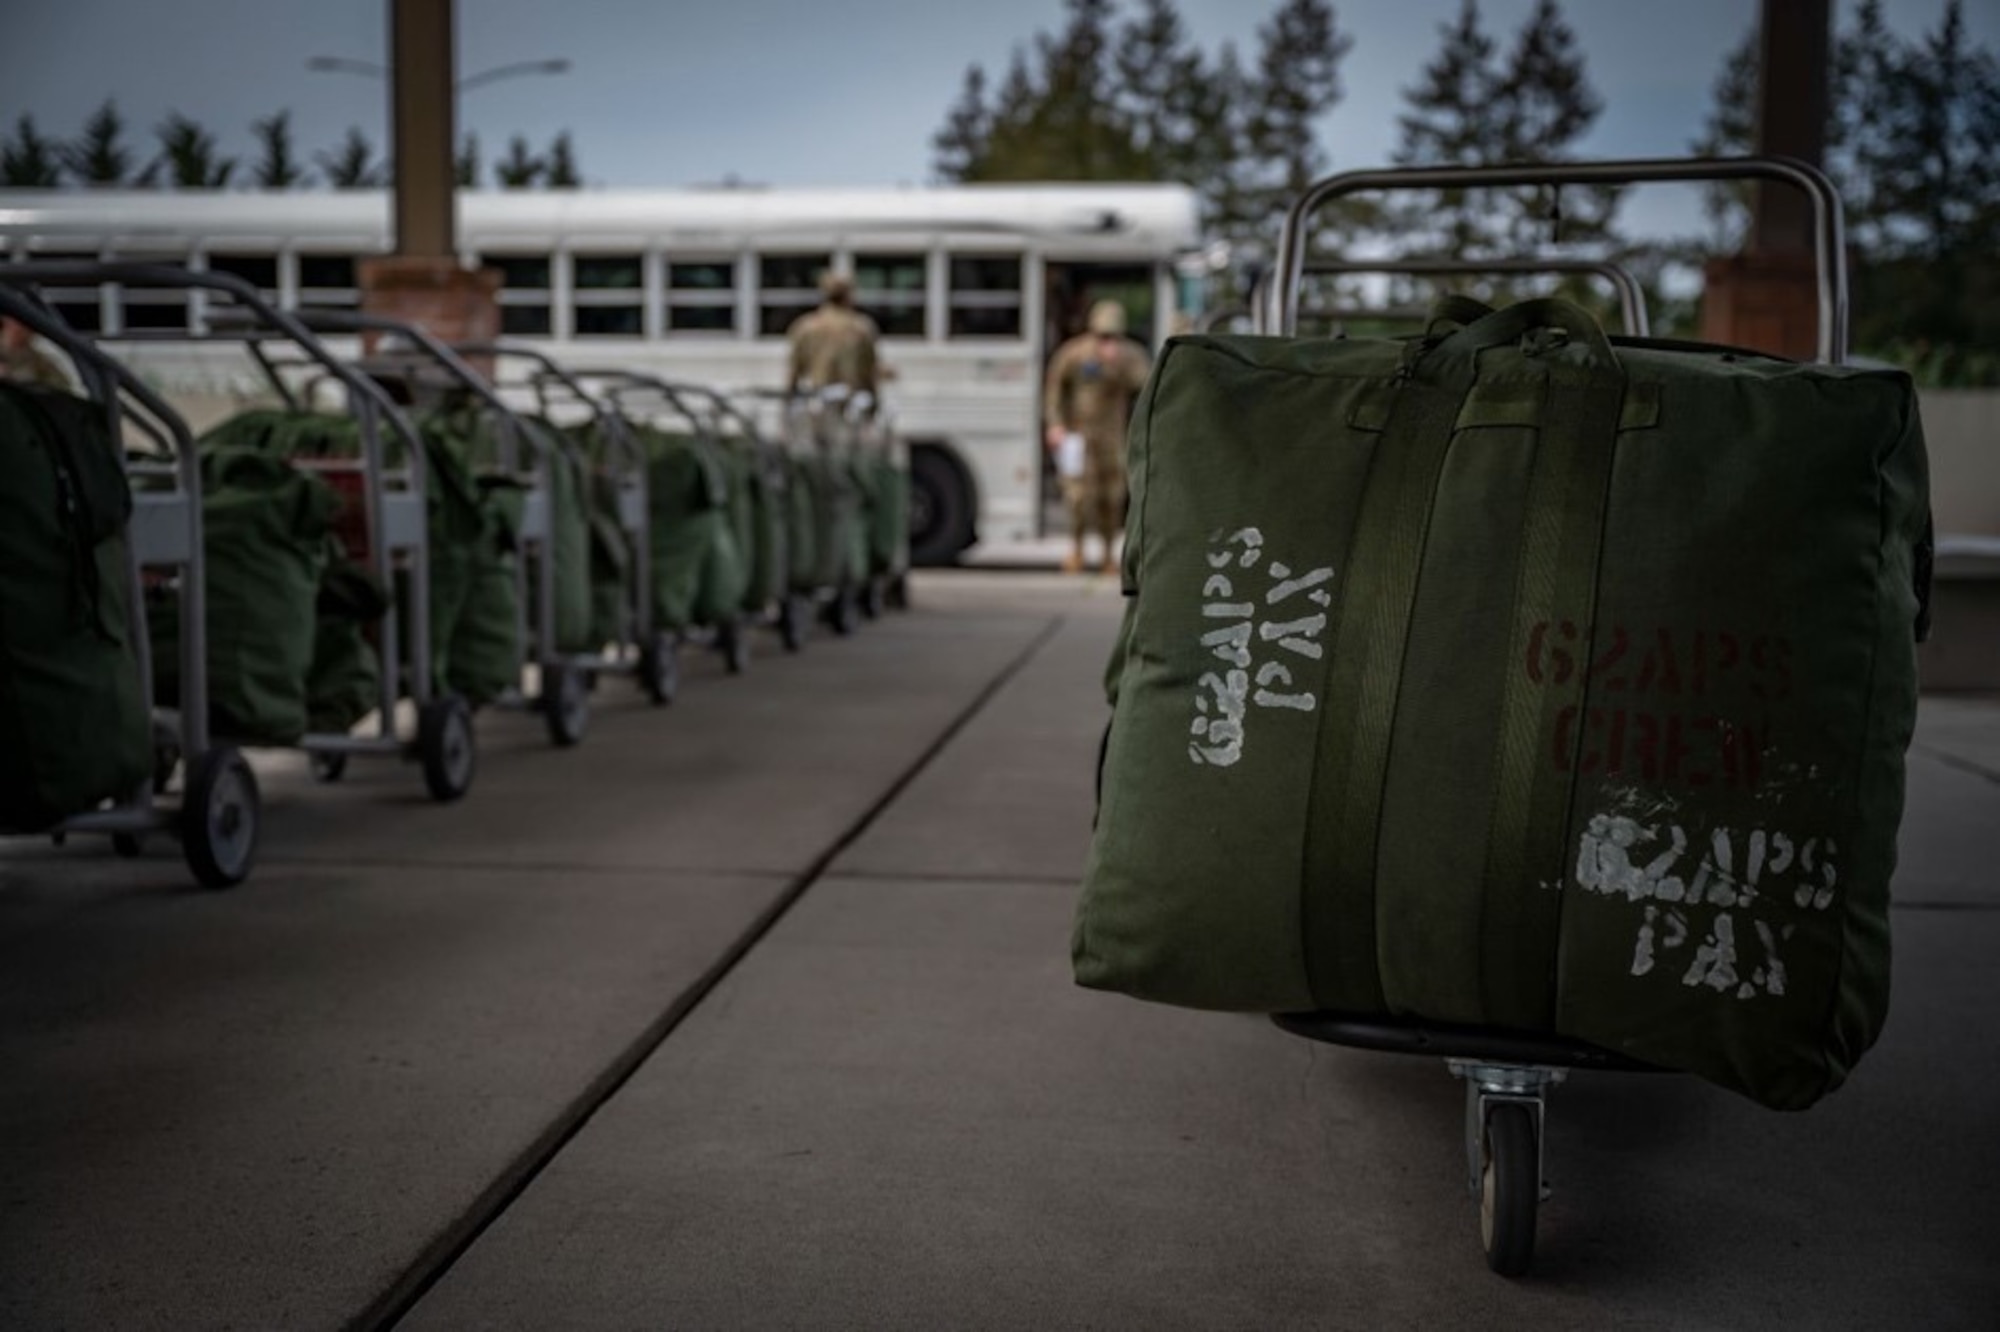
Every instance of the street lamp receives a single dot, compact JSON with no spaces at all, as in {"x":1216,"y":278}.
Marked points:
{"x":344,"y":65}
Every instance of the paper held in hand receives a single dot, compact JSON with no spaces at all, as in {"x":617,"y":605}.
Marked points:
{"x":1069,"y":455}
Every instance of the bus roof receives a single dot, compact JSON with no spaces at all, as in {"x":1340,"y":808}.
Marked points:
{"x":1146,"y":217}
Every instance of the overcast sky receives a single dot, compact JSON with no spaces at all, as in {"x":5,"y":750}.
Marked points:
{"x":784,"y":92}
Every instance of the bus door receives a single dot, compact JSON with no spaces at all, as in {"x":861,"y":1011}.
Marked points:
{"x":1070,"y":290}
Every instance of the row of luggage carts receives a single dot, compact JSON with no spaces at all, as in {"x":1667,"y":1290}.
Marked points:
{"x":399,"y":533}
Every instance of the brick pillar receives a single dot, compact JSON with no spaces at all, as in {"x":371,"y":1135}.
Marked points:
{"x":453,"y":303}
{"x":1766,"y":302}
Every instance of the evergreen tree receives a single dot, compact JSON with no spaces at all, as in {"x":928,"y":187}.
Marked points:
{"x":1546,"y":104}
{"x":465,"y":163}
{"x":1730,"y":131}
{"x":961,"y":143}
{"x":1448,"y":124}
{"x":28,"y":160}
{"x":100,"y":158}
{"x":352,"y":165}
{"x":188,"y":154}
{"x":1298,"y":81}
{"x":559,"y":168}
{"x":1158,"y":78}
{"x":278,"y":168}
{"x":520,"y":168}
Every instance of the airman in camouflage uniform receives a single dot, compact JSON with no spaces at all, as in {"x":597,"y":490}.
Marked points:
{"x":1093,"y":380}
{"x":22,"y":362}
{"x":834,"y":344}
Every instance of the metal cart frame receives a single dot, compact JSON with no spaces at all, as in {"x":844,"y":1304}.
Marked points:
{"x":220,"y":811}
{"x":393,"y":501}
{"x":644,"y":652}
{"x":1508,"y":1074}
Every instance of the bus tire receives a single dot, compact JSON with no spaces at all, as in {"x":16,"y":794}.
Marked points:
{"x":941,"y":506}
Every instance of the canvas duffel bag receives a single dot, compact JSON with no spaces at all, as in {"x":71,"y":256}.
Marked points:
{"x":73,"y":711}
{"x":1508,"y":678}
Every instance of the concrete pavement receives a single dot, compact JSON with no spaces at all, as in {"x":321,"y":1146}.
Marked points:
{"x":757,"y":1014}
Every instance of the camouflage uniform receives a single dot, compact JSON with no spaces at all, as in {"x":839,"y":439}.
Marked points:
{"x":835,"y":344}
{"x":1092,"y":394}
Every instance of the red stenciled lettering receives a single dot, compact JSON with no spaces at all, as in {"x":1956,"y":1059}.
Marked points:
{"x":1659,"y":669}
{"x":1565,"y":725}
{"x":1621,"y":643}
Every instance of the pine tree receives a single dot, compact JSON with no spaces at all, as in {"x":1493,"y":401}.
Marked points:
{"x":100,"y":158}
{"x":1545,"y":104}
{"x":28,"y":160}
{"x":465,"y":163}
{"x":1447,"y":125}
{"x":1158,"y":79}
{"x":559,"y":168}
{"x":961,"y":143}
{"x":520,"y":168}
{"x":1730,"y":131}
{"x":277,"y":169}
{"x":352,"y":165}
{"x":188,"y":155}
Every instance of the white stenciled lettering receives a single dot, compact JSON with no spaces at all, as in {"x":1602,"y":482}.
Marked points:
{"x":1223,"y":700}
{"x":1740,"y":876}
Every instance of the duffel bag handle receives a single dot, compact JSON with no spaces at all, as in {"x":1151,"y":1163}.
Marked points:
{"x":1280,"y":311}
{"x":1517,"y":321}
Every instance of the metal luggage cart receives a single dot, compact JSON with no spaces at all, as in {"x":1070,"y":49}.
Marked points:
{"x":220,"y":813}
{"x":1624,"y":284}
{"x":800,"y":420}
{"x":1508,"y":1074}
{"x":876,"y":444}
{"x":791,"y":616}
{"x":823,"y":425}
{"x":391,"y":500}
{"x":635,"y":395}
{"x":424,"y":369}
{"x":561,"y":400}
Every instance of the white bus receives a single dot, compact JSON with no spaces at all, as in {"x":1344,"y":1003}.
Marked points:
{"x":972,"y":287}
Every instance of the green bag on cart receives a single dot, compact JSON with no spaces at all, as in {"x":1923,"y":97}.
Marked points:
{"x":801,"y":525}
{"x":74,"y":727}
{"x":1514,"y":678}
{"x":698,"y":569}
{"x":343,"y":684}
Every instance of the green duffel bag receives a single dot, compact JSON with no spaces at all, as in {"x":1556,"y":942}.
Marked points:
{"x":264,"y":537}
{"x":888,"y":516}
{"x":768,"y":575}
{"x":801,"y":525}
{"x":1502,"y":677}
{"x":698,"y":569}
{"x":840,"y":534}
{"x":74,"y":727}
{"x":343,"y":684}
{"x":569,"y":538}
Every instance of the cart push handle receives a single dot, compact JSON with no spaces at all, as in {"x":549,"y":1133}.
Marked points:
{"x":1280,"y":312}
{"x":1631,"y":296}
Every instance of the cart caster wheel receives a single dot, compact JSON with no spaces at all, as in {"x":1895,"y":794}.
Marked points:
{"x":735,"y":645}
{"x":874,"y":598}
{"x":840,"y":612}
{"x":794,"y":617}
{"x":565,"y":704}
{"x":899,"y":592}
{"x":444,"y":746}
{"x":1509,"y":1189}
{"x":660,"y":668}
{"x":126,"y":846}
{"x":328,"y":768}
{"x":219,"y":819}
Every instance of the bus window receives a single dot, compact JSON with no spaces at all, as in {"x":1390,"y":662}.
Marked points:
{"x":788,"y":286}
{"x":80,"y":307}
{"x":259,"y":270}
{"x":608,"y":295}
{"x":701,"y":296}
{"x":889,"y":288}
{"x":985,"y":296}
{"x":524,"y":293}
{"x":148,"y":308}
{"x":328,"y":281}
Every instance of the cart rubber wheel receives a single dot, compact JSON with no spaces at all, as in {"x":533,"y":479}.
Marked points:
{"x":220,"y":815}
{"x":126,"y":845}
{"x":874,"y":598}
{"x":660,"y":668}
{"x":444,"y":745}
{"x":1509,"y":1190}
{"x":735,"y":645}
{"x":899,"y":592}
{"x":566,"y":703}
{"x":794,"y":614}
{"x":840,"y":611}
{"x":328,"y":767}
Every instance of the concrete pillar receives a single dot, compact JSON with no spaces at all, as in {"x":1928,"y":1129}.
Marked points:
{"x":422,"y":282}
{"x":1766,"y":298}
